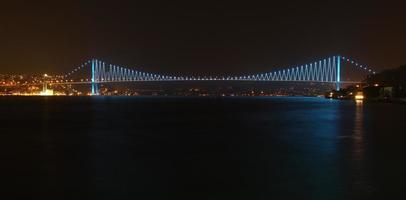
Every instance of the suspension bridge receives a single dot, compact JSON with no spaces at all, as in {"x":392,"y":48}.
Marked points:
{"x":326,"y":70}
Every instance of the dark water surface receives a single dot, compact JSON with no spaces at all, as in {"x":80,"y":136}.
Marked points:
{"x":201,"y":148}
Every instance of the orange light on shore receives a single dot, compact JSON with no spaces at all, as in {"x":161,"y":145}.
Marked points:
{"x":359,"y":96}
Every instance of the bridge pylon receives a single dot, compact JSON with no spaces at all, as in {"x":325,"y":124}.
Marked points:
{"x":95,"y":86}
{"x":338,"y":71}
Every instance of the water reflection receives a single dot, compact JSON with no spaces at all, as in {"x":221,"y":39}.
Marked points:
{"x":358,"y":136}
{"x":360,"y":182}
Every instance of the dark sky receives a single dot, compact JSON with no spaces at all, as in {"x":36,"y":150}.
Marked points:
{"x":198,"y":37}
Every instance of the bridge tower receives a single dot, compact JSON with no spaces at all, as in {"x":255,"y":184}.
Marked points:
{"x":95,"y":87}
{"x":338,"y":79}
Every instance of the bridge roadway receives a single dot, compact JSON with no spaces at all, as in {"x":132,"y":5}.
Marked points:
{"x":205,"y":80}
{"x":100,"y":82}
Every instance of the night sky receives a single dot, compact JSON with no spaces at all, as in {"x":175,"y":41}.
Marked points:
{"x":198,"y":37}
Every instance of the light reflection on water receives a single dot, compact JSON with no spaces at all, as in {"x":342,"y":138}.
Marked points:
{"x":360,"y":181}
{"x":359,"y":130}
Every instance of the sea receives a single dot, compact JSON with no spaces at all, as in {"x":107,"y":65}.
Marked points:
{"x":201,"y":148}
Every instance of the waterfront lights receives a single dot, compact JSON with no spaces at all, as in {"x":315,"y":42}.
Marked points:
{"x":359,"y":96}
{"x":47,"y":92}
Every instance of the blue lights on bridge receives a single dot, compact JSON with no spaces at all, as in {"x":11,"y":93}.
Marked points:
{"x":327,"y":70}
{"x":338,"y":72}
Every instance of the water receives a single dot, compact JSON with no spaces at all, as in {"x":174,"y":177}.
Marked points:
{"x":201,"y":148}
